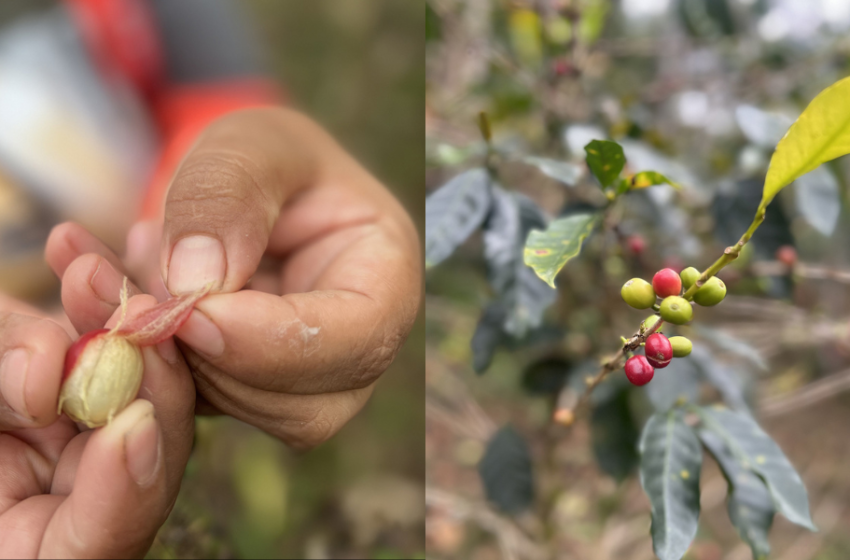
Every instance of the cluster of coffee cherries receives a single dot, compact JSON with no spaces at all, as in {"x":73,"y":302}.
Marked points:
{"x":668,"y":285}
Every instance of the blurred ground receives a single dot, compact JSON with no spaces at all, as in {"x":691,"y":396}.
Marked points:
{"x":356,"y":66}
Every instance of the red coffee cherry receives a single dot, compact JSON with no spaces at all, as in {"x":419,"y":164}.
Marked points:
{"x":636,"y":244}
{"x":658,"y":350}
{"x":787,"y":255}
{"x":638,"y":370}
{"x":667,"y":282}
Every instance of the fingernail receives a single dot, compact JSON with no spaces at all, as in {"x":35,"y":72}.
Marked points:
{"x":141,"y":447}
{"x":195,"y":262}
{"x":202,"y":334}
{"x":13,"y":380}
{"x":106,"y":283}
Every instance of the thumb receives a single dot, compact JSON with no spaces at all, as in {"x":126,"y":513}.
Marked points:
{"x":119,"y":498}
{"x":227,"y":194}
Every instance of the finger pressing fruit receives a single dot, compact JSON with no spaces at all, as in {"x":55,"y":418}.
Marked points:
{"x":638,"y":293}
{"x":681,"y":346}
{"x":103,"y":369}
{"x":647,"y":324}
{"x":638,"y":370}
{"x":666,"y":282}
{"x":711,"y":293}
{"x":689,"y":277}
{"x":658,"y":350}
{"x":676,"y":310}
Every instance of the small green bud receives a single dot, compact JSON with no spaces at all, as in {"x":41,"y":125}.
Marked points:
{"x":638,"y":293}
{"x":681,"y":346}
{"x":676,"y":310}
{"x":711,"y":293}
{"x":689,"y":277}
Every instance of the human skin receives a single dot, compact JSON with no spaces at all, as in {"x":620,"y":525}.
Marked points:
{"x":318,"y":279}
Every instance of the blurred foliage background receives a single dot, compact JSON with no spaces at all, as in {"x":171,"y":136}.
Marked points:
{"x":700,"y":90}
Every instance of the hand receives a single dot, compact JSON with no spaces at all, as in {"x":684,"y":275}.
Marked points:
{"x":316,"y":266}
{"x":95,"y":494}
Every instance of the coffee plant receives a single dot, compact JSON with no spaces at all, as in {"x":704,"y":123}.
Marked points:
{"x":524,"y":252}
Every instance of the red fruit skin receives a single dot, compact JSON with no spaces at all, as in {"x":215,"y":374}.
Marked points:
{"x":77,"y":348}
{"x":667,"y":282}
{"x":787,"y":255}
{"x":639,"y":371}
{"x":658,"y":350}
{"x":636,"y":244}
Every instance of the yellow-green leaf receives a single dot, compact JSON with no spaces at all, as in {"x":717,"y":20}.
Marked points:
{"x":821,"y":134}
{"x":548,"y":251}
{"x":525,"y":33}
{"x":646,"y":179}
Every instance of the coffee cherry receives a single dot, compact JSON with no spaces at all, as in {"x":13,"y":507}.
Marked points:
{"x":638,"y":293}
{"x":787,"y":255}
{"x":636,"y":244}
{"x":676,"y":310}
{"x":647,"y":324}
{"x":689,"y":277}
{"x":681,"y":346}
{"x":711,"y":293}
{"x":666,"y":282}
{"x":638,"y":370}
{"x":658,"y":350}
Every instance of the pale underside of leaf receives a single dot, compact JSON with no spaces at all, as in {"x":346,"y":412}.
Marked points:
{"x":670,"y":463}
{"x":820,"y":134}
{"x":453,"y":212}
{"x":548,"y":251}
{"x":759,"y":453}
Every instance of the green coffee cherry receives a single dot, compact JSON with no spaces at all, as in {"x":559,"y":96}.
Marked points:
{"x":647,"y":324}
{"x":676,"y":310}
{"x":638,"y":293}
{"x":689,"y":277}
{"x":711,"y":293}
{"x":681,"y":346}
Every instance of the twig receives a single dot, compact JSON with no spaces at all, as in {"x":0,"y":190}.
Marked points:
{"x":777,"y":268}
{"x":808,"y":395}
{"x":512,"y":541}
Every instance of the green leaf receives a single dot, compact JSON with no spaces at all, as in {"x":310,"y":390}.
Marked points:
{"x":820,"y":134}
{"x":756,"y":451}
{"x":525,"y":296}
{"x":562,"y":171}
{"x":678,"y":382}
{"x":748,"y":502}
{"x":724,"y":341}
{"x":488,"y":336}
{"x":546,"y":376}
{"x":506,"y":471}
{"x":646,"y":179}
{"x":605,"y":160}
{"x":614,"y":436}
{"x":670,"y":462}
{"x":548,"y":251}
{"x":453,"y":212}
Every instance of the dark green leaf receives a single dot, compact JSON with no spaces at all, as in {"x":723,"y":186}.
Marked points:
{"x":818,"y":200}
{"x":727,"y":343}
{"x":678,"y":382}
{"x":546,"y":376}
{"x":506,"y":471}
{"x":605,"y":160}
{"x":525,"y":296}
{"x":615,"y":436}
{"x":707,"y":18}
{"x":722,"y":377}
{"x":565,"y":172}
{"x":670,"y":462}
{"x":756,"y":451}
{"x":488,"y":336}
{"x":548,"y":251}
{"x":453,"y":212}
{"x":748,"y":502}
